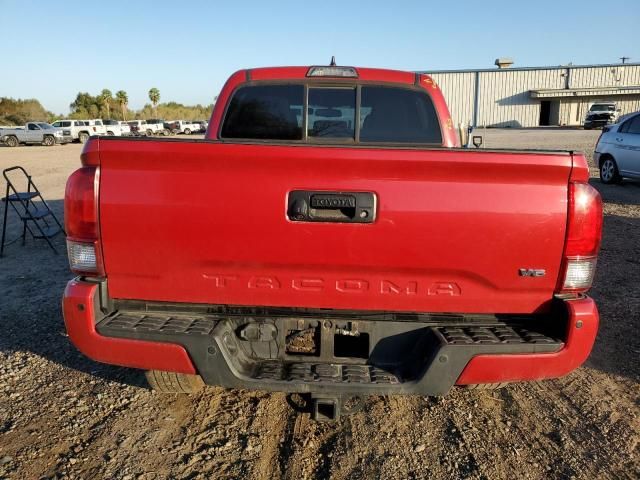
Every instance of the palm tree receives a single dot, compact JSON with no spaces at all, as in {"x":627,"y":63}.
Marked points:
{"x":105,"y":98}
{"x":154,"y":96}
{"x":123,"y":100}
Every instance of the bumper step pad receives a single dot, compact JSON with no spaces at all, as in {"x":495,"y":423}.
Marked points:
{"x":119,"y":324}
{"x":494,"y":336}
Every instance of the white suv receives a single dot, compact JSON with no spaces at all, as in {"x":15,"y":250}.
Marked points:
{"x":114,"y":127}
{"x":142,"y":127}
{"x":78,"y":129}
{"x":184,"y":126}
{"x":97,"y":127}
{"x":601,"y":114}
{"x":618,"y":150}
{"x":157,"y":127}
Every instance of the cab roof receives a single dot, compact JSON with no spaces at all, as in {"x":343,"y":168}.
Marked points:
{"x":300,"y":72}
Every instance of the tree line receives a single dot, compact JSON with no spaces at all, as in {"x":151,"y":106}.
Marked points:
{"x":103,"y":105}
{"x":107,"y":105}
{"x":19,"y":112}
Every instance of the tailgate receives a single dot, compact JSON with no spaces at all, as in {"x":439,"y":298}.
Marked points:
{"x":206,"y":222}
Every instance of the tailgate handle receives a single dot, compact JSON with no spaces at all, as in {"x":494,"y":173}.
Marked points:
{"x":337,"y":207}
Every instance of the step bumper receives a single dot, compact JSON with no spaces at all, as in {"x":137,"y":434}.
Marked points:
{"x":437,"y":357}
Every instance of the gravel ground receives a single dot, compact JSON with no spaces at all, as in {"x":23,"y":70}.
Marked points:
{"x":65,"y":416}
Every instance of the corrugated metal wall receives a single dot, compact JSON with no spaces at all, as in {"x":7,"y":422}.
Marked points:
{"x":504,"y":98}
{"x":628,"y":104}
{"x":608,"y":76}
{"x":459,"y":90}
{"x":572,"y":111}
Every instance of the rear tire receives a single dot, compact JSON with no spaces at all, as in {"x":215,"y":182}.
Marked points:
{"x":111,"y":134}
{"x":12,"y":141}
{"x":187,"y":131}
{"x":83,"y":137}
{"x":609,"y":173}
{"x":48,"y":141}
{"x":172,"y":382}
{"x":149,"y":133}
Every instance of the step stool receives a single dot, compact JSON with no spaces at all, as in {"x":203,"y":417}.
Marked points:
{"x":35,"y":215}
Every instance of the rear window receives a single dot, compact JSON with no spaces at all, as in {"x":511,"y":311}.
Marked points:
{"x":272,"y":112}
{"x":386,"y":114}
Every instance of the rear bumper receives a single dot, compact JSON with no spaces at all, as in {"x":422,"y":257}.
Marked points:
{"x":442,"y":356}
{"x":81,"y":310}
{"x":581,"y":331}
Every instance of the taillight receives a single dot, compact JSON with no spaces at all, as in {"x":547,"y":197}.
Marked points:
{"x":82,"y":257}
{"x":81,"y":221}
{"x":584,"y":232}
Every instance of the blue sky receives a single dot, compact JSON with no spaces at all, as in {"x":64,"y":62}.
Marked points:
{"x":187,"y":49}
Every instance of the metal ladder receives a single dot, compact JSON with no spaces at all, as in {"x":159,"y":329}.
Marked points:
{"x":36,"y":216}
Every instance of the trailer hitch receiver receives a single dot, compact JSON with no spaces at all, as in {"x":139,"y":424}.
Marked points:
{"x":326,"y":409}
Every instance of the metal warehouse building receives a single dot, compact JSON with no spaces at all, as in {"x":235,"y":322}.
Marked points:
{"x":534,"y":96}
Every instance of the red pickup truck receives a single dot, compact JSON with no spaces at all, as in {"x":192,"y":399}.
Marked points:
{"x":330,"y":237}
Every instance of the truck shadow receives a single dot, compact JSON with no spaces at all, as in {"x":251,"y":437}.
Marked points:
{"x":617,"y":284}
{"x":617,"y":293}
{"x":32,"y":279}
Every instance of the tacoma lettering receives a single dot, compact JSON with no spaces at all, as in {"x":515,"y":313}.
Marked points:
{"x":347,"y":285}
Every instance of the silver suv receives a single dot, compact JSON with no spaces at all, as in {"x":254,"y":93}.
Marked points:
{"x":618,"y":150}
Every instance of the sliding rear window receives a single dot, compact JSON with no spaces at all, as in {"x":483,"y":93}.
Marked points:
{"x":385,"y":114}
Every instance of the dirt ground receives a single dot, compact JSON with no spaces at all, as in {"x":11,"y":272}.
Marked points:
{"x":65,"y":416}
